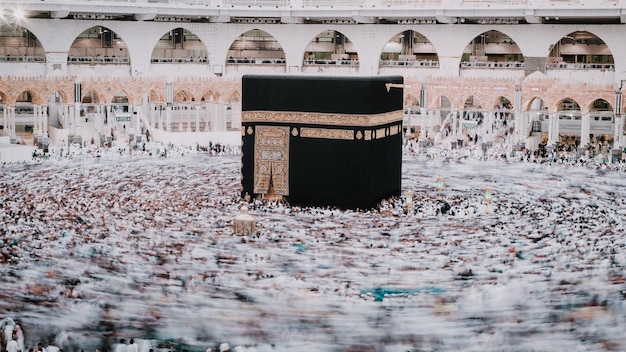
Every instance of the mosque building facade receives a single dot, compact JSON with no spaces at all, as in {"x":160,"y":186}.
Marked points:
{"x":528,"y":72}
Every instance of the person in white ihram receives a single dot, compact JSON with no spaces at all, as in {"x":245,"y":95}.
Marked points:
{"x":12,"y":345}
{"x":133,"y":346}
{"x":52,"y":347}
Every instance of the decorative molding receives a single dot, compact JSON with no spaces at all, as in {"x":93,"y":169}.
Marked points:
{"x":326,"y":133}
{"x":314,"y":118}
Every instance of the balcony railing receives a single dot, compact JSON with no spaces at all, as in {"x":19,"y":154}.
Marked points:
{"x":97,"y":59}
{"x":579,"y":66}
{"x":492,"y":64}
{"x":317,"y":62}
{"x":179,"y":60}
{"x":409,"y":63}
{"x":34,"y":59}
{"x":253,"y":61}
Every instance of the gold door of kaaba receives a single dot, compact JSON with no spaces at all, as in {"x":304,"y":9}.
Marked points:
{"x":271,"y":160}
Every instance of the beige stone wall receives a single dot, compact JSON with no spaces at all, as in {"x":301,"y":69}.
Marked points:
{"x":227,"y":90}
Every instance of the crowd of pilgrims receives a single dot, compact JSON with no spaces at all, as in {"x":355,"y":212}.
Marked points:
{"x":27,"y":219}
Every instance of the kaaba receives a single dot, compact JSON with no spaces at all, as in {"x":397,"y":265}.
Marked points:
{"x":329,"y":141}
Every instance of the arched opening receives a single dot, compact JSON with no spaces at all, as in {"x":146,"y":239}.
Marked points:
{"x":409,"y":49}
{"x":580,"y":50}
{"x":179,"y":46}
{"x":330,"y":50}
{"x":537,"y":113}
{"x":98,"y":45}
{"x":24,"y":116}
{"x":601,"y":110}
{"x":445,"y":106}
{"x":492,"y":49}
{"x":18,"y":44}
{"x":56,"y":109}
{"x":256,"y":48}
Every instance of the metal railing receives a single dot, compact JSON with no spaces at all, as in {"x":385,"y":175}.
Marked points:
{"x":98,"y":59}
{"x":409,"y":63}
{"x":179,"y":60}
{"x":493,"y":64}
{"x":35,"y":59}
{"x":331,"y":62}
{"x":579,"y":66}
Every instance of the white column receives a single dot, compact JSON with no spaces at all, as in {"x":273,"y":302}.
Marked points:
{"x":45,"y":121}
{"x":424,"y":123}
{"x":168,"y":119}
{"x":553,"y":131}
{"x":180,"y":118}
{"x":5,"y":117}
{"x":189,"y":110}
{"x":453,"y":122}
{"x":35,"y":120}
{"x":12,"y":120}
{"x":197,"y":110}
{"x":584,"y":130}
{"x":76,"y":119}
{"x":617,"y":134}
{"x":208,"y":112}
{"x":235,"y":115}
{"x":518,"y":127}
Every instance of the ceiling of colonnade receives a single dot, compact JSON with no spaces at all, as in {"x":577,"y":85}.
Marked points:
{"x":409,"y":45}
{"x":255,"y":44}
{"x":492,"y":46}
{"x":581,"y":47}
{"x":98,"y":43}
{"x":179,"y":45}
{"x":330,"y":45}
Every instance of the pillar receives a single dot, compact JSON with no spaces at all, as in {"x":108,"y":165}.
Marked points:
{"x":168,"y":119}
{"x":584,"y":130}
{"x":553,"y":131}
{"x":12,"y":121}
{"x":618,"y":133}
{"x":425,"y":123}
{"x":235,"y":114}
{"x":45,"y":121}
{"x":197,"y":110}
{"x":207,"y":118}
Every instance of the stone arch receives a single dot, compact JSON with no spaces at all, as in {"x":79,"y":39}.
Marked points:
{"x":179,"y":45}
{"x":24,"y":44}
{"x":567,"y":104}
{"x":329,"y":46}
{"x":24,"y":102}
{"x":492,"y":47}
{"x":92,"y":97}
{"x":120,"y":98}
{"x":4,"y":98}
{"x":98,"y":44}
{"x":26,"y":96}
{"x":233,"y":97}
{"x":183,"y":96}
{"x":58,"y":97}
{"x":153,"y":97}
{"x":600,"y":104}
{"x":472,"y":102}
{"x":503,"y":103}
{"x":408,"y":46}
{"x":441,"y":102}
{"x":256,"y":46}
{"x":601,"y":109}
{"x":411,"y":100}
{"x":535,"y":103}
{"x":209,"y":96}
{"x":580,"y":47}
